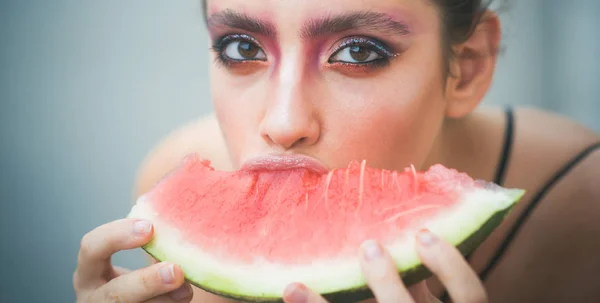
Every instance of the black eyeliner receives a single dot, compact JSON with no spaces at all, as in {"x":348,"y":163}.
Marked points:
{"x":218,"y":44}
{"x":372,"y":44}
{"x":375,"y":64}
{"x":221,"y":43}
{"x":380,"y":47}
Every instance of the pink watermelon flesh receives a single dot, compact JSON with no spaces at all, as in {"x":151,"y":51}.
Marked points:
{"x":297,"y":217}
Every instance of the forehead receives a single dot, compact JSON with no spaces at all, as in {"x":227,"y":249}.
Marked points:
{"x":294,"y":13}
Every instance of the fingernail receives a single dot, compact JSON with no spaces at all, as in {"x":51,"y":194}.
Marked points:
{"x":142,"y":227}
{"x":181,"y":293}
{"x":296,"y":293}
{"x":167,"y":273}
{"x":425,"y":237}
{"x":372,"y":250}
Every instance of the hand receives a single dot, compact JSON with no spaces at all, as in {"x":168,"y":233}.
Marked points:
{"x":97,"y":280}
{"x":441,"y":258}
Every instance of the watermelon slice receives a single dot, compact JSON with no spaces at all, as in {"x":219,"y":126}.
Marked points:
{"x":248,"y":234}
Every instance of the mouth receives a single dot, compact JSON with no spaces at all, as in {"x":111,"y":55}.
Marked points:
{"x":276,"y":162}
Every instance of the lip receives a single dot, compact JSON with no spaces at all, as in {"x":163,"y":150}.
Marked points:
{"x":284,"y":162}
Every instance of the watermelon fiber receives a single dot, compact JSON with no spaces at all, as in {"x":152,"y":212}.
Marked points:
{"x":248,"y":234}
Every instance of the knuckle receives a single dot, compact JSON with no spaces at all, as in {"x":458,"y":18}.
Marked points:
{"x":148,"y":281}
{"x":85,"y":245}
{"x":82,"y":299}
{"x":76,"y":282}
{"x":145,"y":282}
{"x":113,"y":297}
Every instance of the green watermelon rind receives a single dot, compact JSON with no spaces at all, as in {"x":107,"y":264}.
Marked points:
{"x":486,"y":207}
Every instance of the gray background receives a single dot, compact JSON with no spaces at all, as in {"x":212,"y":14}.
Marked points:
{"x":87,"y":87}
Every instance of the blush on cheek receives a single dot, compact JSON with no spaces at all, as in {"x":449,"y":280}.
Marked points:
{"x":389,"y":125}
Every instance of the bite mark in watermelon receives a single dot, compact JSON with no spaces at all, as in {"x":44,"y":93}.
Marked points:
{"x":248,"y":234}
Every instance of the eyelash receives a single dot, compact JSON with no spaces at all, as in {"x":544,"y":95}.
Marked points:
{"x":220,"y":45}
{"x":380,"y":48}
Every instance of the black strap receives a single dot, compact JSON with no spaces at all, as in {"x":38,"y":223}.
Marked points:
{"x":502,"y":164}
{"x":507,"y":147}
{"x":534,"y":202}
{"x":539,"y":196}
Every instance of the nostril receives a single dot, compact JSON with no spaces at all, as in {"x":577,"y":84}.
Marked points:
{"x":290,"y":133}
{"x":296,"y":143}
{"x":300,"y":141}
{"x":285,"y":144}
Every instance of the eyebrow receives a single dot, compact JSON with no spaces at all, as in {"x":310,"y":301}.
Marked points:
{"x":381,"y":22}
{"x":232,"y":19}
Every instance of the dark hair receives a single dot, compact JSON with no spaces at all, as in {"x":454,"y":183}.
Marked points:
{"x":459,"y":19}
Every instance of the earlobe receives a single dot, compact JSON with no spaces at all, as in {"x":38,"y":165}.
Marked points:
{"x":472,"y":68}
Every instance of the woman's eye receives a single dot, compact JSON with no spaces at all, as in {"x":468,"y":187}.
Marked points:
{"x":244,"y":50}
{"x":355,"y":54}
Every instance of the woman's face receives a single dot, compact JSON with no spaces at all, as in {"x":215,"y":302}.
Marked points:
{"x":337,"y":80}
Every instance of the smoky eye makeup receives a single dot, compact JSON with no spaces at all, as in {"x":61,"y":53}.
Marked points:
{"x":361,"y":52}
{"x":358,"y":56}
{"x":238,"y":48}
{"x":351,"y":53}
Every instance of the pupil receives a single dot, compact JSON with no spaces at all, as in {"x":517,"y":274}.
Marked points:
{"x":247,"y":50}
{"x":359,"y":53}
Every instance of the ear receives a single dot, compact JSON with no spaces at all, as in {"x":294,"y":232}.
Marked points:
{"x":472,"y":67}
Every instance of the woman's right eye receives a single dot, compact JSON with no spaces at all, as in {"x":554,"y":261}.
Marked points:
{"x":242,"y":50}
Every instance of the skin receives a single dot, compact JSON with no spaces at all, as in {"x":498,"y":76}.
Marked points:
{"x":406,"y":112}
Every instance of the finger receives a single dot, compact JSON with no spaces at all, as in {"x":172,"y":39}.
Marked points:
{"x":299,"y":293}
{"x":420,"y":293}
{"x":100,"y":244}
{"x":381,"y":274}
{"x":451,"y":268}
{"x":181,"y":295}
{"x":116,"y":272}
{"x":119,"y":271}
{"x":143,"y":284}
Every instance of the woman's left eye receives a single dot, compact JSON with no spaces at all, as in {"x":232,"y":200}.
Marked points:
{"x":355,"y":54}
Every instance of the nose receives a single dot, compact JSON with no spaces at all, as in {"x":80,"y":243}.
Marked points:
{"x":290,"y":123}
{"x":291,"y":119}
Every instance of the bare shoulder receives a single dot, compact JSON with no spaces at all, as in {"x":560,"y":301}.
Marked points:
{"x":544,"y":143}
{"x":558,"y":160}
{"x":550,"y":129}
{"x":566,"y":142}
{"x":560,"y":225}
{"x":201,"y":136}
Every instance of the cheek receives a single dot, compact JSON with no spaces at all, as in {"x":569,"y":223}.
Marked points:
{"x":237,"y":103}
{"x":390,"y":120}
